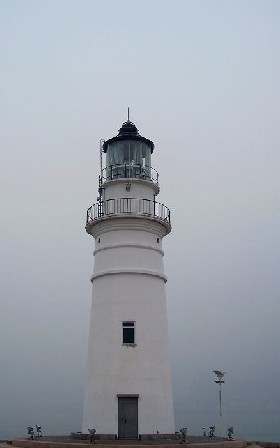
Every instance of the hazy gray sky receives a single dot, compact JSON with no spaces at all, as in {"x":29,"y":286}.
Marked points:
{"x":202,"y":81}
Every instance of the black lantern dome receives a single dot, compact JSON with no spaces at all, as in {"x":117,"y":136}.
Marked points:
{"x":128,"y":131}
{"x":128,"y":128}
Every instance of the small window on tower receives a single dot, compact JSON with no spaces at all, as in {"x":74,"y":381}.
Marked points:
{"x":128,"y":333}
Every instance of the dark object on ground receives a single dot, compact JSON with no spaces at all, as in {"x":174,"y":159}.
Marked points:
{"x":184,"y":432}
{"x":30,"y":432}
{"x":39,"y":431}
{"x":92,"y":432}
{"x":230,"y":433}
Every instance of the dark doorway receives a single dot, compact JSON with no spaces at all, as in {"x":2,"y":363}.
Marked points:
{"x":128,"y":417}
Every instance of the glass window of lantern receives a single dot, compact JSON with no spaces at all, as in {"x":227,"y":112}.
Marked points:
{"x":128,"y":152}
{"x":139,"y":153}
{"x":146,"y":155}
{"x":128,"y":158}
{"x":115,"y":154}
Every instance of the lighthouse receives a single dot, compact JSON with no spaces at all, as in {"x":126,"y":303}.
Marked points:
{"x":128,"y":380}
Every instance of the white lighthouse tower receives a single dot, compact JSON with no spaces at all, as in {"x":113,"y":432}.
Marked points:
{"x":128,"y":384}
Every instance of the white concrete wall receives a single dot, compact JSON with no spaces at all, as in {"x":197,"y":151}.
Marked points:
{"x":122,"y":249}
{"x":128,"y":285}
{"x":116,"y":369}
{"x":138,"y":189}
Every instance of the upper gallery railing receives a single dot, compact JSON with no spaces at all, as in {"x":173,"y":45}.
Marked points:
{"x":128,"y":206}
{"x":129,"y":171}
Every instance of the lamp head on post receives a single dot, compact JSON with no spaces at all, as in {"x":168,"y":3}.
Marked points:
{"x":220,"y":375}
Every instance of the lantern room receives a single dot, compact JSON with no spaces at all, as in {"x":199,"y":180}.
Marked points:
{"x":128,"y":155}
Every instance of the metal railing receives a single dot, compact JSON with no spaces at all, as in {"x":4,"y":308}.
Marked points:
{"x":128,"y":206}
{"x":129,"y":171}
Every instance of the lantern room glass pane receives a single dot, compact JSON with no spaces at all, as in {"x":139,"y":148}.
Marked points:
{"x":128,"y":158}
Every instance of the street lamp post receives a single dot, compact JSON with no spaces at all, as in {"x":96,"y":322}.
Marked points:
{"x":220,"y":380}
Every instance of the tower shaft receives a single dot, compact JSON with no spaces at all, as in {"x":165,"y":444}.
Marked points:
{"x":128,"y":384}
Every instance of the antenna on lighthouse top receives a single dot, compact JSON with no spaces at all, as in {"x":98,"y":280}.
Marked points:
{"x":128,"y":114}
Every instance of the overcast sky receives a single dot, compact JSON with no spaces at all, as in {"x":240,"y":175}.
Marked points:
{"x":202,"y":81}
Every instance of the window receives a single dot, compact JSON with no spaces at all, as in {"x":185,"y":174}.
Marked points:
{"x":128,"y":333}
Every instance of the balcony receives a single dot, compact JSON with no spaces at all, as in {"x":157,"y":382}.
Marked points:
{"x":128,"y":207}
{"x":125,"y":171}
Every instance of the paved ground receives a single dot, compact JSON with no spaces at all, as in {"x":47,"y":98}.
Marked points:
{"x":157,"y":441}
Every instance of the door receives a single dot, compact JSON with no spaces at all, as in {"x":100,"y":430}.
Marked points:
{"x":128,"y":417}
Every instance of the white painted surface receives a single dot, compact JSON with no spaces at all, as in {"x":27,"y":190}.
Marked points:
{"x":128,"y":285}
{"x":130,"y":188}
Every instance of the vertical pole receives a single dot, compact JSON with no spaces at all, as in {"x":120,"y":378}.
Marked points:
{"x":220,"y":380}
{"x":220,"y":394}
{"x":221,"y":414}
{"x":100,"y":151}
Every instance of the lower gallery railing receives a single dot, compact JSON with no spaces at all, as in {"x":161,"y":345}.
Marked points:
{"x":127,"y":206}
